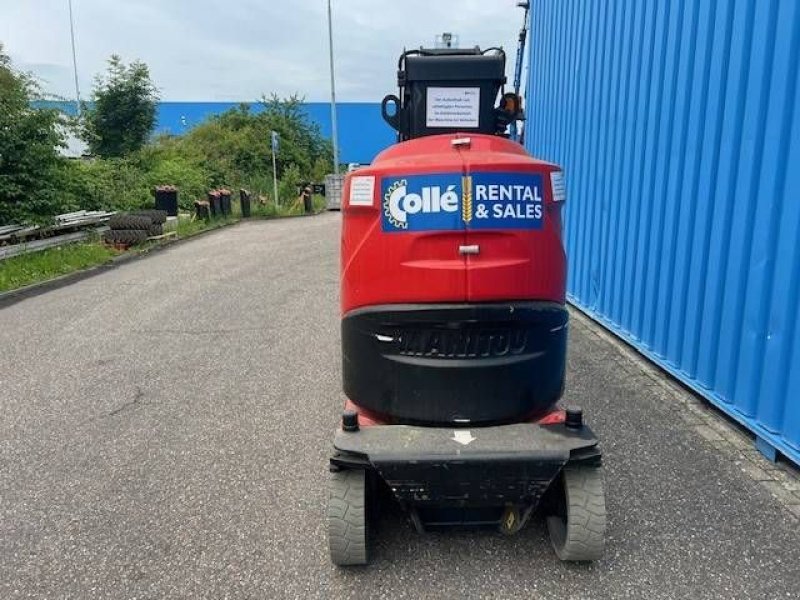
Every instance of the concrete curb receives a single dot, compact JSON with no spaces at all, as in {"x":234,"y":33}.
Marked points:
{"x":35,"y":289}
{"x":282,"y":217}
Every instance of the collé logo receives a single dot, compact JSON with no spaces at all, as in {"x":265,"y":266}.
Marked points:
{"x":421,"y":202}
{"x":447,"y":202}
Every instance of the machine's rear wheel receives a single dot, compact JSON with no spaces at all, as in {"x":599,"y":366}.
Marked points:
{"x":578,"y":525}
{"x":347,"y":517}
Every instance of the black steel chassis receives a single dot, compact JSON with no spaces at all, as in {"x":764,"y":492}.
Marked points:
{"x":479,"y":476}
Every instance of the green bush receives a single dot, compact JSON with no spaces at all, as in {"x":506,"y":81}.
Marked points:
{"x":234,"y":148}
{"x":289,"y":185}
{"x":109,"y":184}
{"x":192,"y":181}
{"x":230,"y":150}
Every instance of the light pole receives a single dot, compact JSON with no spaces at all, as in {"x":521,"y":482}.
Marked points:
{"x":74,"y":59}
{"x":334,"y":133}
{"x":274,"y":140}
{"x":523,"y":35}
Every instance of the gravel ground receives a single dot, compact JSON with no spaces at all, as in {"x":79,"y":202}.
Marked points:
{"x":165,"y":428}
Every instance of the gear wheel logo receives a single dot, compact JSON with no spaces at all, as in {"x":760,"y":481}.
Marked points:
{"x":386,"y":210}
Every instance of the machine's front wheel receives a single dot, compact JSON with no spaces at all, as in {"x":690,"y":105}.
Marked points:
{"x":578,"y":525}
{"x":347,"y":517}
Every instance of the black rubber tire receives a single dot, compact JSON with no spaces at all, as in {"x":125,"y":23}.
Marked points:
{"x":347,"y":518}
{"x":129,"y":222}
{"x":155,"y":229}
{"x":155,"y":215}
{"x":127,"y":237}
{"x":578,"y":526}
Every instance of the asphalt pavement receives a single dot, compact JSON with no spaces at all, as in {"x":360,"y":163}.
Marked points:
{"x":165,"y":428}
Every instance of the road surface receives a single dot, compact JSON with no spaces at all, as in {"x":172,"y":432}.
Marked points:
{"x":165,"y":428}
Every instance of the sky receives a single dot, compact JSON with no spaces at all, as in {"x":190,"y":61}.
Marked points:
{"x":238,"y":50}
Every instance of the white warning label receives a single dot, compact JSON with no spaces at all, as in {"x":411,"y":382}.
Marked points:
{"x":362,"y":190}
{"x":453,"y":106}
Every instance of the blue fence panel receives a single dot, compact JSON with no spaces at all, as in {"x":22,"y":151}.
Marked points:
{"x":677,"y":123}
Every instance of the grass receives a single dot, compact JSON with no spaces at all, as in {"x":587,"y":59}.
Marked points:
{"x":26,"y":269}
{"x":187,"y":227}
{"x":35,"y":267}
{"x":286,"y":209}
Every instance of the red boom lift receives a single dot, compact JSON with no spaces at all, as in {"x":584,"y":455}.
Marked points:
{"x":454,"y":324}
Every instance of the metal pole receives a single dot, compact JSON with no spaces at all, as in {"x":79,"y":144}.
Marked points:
{"x":74,"y":59}
{"x":334,"y":133}
{"x":523,"y":34}
{"x":274,"y":177}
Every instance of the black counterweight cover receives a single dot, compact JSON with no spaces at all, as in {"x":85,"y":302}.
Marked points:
{"x":455,"y":364}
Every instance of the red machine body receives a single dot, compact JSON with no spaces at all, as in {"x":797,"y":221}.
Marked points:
{"x":453,"y":283}
{"x":427,"y":266}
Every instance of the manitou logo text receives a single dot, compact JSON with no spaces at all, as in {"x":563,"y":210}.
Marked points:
{"x":461,"y":344}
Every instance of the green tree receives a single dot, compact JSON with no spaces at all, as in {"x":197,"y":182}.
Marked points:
{"x":234,"y":148}
{"x":302,"y":144}
{"x":30,"y":164}
{"x":123,"y":110}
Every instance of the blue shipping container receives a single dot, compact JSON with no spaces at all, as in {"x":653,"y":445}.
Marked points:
{"x":677,"y":123}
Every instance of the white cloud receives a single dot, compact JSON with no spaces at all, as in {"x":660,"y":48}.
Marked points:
{"x":241,"y":49}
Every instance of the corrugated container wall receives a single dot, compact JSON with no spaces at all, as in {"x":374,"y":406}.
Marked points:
{"x":677,"y":123}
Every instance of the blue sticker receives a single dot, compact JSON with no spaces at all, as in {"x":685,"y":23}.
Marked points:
{"x":421,"y":203}
{"x":507,"y":201}
{"x":452,"y":202}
